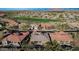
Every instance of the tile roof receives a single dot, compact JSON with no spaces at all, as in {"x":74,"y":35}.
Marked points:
{"x":2,"y":13}
{"x":46,"y":25}
{"x":10,"y":22}
{"x":61,"y":36}
{"x":36,"y":36}
{"x":16,"y":37}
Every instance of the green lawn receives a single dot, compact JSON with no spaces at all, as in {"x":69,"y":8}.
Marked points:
{"x":35,"y":19}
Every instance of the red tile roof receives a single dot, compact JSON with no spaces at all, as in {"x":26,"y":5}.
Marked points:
{"x":10,"y":22}
{"x":61,"y":36}
{"x":2,"y":13}
{"x":16,"y":38}
{"x":46,"y":25}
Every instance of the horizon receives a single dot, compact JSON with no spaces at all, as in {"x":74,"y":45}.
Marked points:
{"x":40,"y":9}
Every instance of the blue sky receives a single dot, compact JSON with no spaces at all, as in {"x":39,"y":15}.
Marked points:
{"x":42,"y":9}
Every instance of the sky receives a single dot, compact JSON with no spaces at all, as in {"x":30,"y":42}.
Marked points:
{"x":36,"y":9}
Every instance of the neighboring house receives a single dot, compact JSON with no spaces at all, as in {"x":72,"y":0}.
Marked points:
{"x":2,"y":14}
{"x":14,"y":39}
{"x":10,"y":22}
{"x":46,"y":26}
{"x":73,"y":24}
{"x":38,"y":38}
{"x":61,"y":37}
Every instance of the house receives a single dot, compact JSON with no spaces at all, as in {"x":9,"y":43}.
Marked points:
{"x":2,"y":14}
{"x":14,"y":39}
{"x":9,"y":22}
{"x":61,"y":37}
{"x":74,"y":24}
{"x":37,"y":38}
{"x":46,"y":26}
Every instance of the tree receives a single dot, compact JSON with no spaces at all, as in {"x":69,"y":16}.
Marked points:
{"x":75,"y":49}
{"x":23,"y":26}
{"x":53,"y":46}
